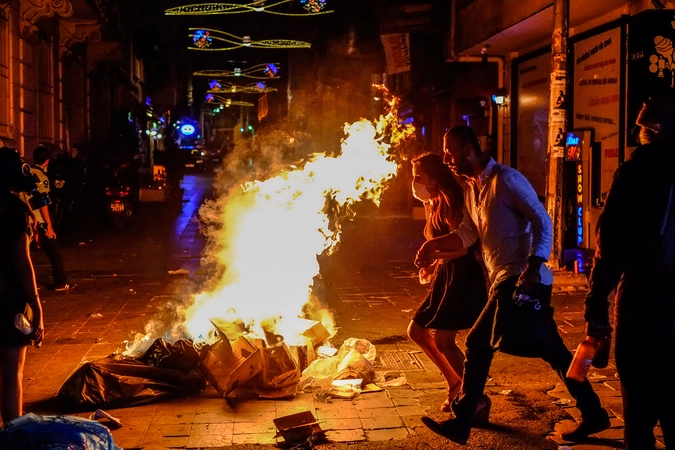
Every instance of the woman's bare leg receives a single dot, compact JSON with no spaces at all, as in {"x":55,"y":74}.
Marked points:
{"x":446,"y":344}
{"x":11,"y":399}
{"x":425,"y":339}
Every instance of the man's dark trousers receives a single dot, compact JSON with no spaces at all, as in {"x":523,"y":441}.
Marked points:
{"x":51,"y":248}
{"x":479,"y":353}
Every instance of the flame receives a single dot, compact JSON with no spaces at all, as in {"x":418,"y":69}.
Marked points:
{"x":273,"y":230}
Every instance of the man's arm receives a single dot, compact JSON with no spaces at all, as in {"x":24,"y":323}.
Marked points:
{"x":524,"y":199}
{"x":49,"y":232}
{"x":449,"y":246}
{"x":611,"y":243}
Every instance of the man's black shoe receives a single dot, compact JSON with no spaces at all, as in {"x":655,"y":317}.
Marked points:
{"x":587,"y":426}
{"x":448,"y":429}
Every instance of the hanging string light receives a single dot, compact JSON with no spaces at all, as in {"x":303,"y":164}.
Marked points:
{"x":225,"y":102}
{"x":236,"y":42}
{"x":257,"y":72}
{"x":253,"y":88}
{"x":312,"y":8}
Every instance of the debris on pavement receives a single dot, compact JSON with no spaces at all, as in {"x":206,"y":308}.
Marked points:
{"x":506,"y":392}
{"x":390,"y":379}
{"x":95,"y":315}
{"x":100,"y":414}
{"x":55,"y":432}
{"x":178,"y":272}
{"x":298,"y":428}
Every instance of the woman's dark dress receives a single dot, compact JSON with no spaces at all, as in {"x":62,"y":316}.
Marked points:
{"x":13,"y":226}
{"x":457,"y":294}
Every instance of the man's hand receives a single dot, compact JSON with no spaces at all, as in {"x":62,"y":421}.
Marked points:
{"x":49,"y":232}
{"x":530,"y":277}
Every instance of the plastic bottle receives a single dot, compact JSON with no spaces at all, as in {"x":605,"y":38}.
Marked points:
{"x":582,"y":360}
{"x":590,"y":352}
{"x":602,"y":347}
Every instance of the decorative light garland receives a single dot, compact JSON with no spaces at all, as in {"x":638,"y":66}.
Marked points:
{"x":313,"y":8}
{"x":216,"y":87}
{"x":203,"y":38}
{"x":225,"y":102}
{"x":266,"y":71}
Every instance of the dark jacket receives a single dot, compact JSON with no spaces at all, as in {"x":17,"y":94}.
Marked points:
{"x":629,"y":253}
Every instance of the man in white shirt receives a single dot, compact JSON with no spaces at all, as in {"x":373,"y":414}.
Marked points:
{"x":515,"y":233}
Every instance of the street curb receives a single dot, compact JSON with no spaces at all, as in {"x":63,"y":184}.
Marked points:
{"x":567,"y":281}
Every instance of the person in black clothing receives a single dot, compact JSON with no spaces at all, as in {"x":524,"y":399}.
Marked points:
{"x":630,"y":258}
{"x":18,"y":289}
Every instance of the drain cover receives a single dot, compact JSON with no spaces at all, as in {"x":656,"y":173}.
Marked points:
{"x":398,"y":361}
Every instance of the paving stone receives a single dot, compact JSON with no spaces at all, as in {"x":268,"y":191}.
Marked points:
{"x":257,"y":438}
{"x":212,"y":428}
{"x":386,"y":435}
{"x":258,"y":427}
{"x":167,"y":436}
{"x":162,"y":418}
{"x":376,"y":418}
{"x":413,"y":421}
{"x":255,"y":417}
{"x":214,"y":417}
{"x":373,"y":400}
{"x":355,"y":435}
{"x":209,"y":440}
{"x":412,"y":410}
{"x":338,"y":409}
{"x":340,"y":424}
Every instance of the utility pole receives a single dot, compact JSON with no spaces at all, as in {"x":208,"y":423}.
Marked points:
{"x":557,"y":125}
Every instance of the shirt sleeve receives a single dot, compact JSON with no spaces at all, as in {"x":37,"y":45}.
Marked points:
{"x":524,"y":200}
{"x":467,"y":230}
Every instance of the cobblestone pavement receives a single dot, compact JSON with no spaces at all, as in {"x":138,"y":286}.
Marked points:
{"x":123,"y":279}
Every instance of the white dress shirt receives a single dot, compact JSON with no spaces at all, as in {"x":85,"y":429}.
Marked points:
{"x":511,"y":221}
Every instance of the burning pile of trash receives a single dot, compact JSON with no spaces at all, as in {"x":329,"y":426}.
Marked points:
{"x":259,"y":324}
{"x":271,"y":371}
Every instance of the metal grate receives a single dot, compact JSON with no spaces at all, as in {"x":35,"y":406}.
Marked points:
{"x":398,"y":361}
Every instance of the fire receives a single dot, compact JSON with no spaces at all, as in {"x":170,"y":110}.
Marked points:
{"x":273,"y":230}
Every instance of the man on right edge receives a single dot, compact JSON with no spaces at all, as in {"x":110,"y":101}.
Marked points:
{"x":634,"y":255}
{"x":515,"y":232}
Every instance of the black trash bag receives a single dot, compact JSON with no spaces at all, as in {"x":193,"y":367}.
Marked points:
{"x":180,"y":356}
{"x":116,"y":382}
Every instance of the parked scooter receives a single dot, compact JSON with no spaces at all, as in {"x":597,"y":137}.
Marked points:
{"x":120,"y":197}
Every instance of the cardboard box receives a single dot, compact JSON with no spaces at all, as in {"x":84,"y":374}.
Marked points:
{"x":229,"y":364}
{"x":297,"y":428}
{"x":315,"y":331}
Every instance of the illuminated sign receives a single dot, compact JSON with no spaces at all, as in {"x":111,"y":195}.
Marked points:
{"x":187,"y":129}
{"x":580,"y":204}
{"x":573,"y":147}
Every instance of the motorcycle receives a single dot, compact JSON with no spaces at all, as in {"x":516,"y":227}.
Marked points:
{"x":119,"y":196}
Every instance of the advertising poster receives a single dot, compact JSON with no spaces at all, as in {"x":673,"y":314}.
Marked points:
{"x":651,"y":61}
{"x":597,"y":66}
{"x":397,"y":52}
{"x":532,"y":129}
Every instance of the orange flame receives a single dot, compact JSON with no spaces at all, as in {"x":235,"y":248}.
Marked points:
{"x":273,"y":230}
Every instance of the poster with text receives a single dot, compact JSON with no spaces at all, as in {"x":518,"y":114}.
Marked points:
{"x":597,"y":71}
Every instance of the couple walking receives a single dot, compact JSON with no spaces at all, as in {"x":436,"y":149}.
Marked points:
{"x":496,"y":206}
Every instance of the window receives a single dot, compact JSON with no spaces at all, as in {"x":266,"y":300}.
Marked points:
{"x":45,"y":87}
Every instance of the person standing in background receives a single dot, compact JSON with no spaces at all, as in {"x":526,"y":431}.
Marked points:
{"x":39,"y":202}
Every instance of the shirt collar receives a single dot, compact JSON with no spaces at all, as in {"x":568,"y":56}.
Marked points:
{"x":485,"y":174}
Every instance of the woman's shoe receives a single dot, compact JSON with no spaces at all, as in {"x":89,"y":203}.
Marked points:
{"x":482,"y":415}
{"x":452,"y":393}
